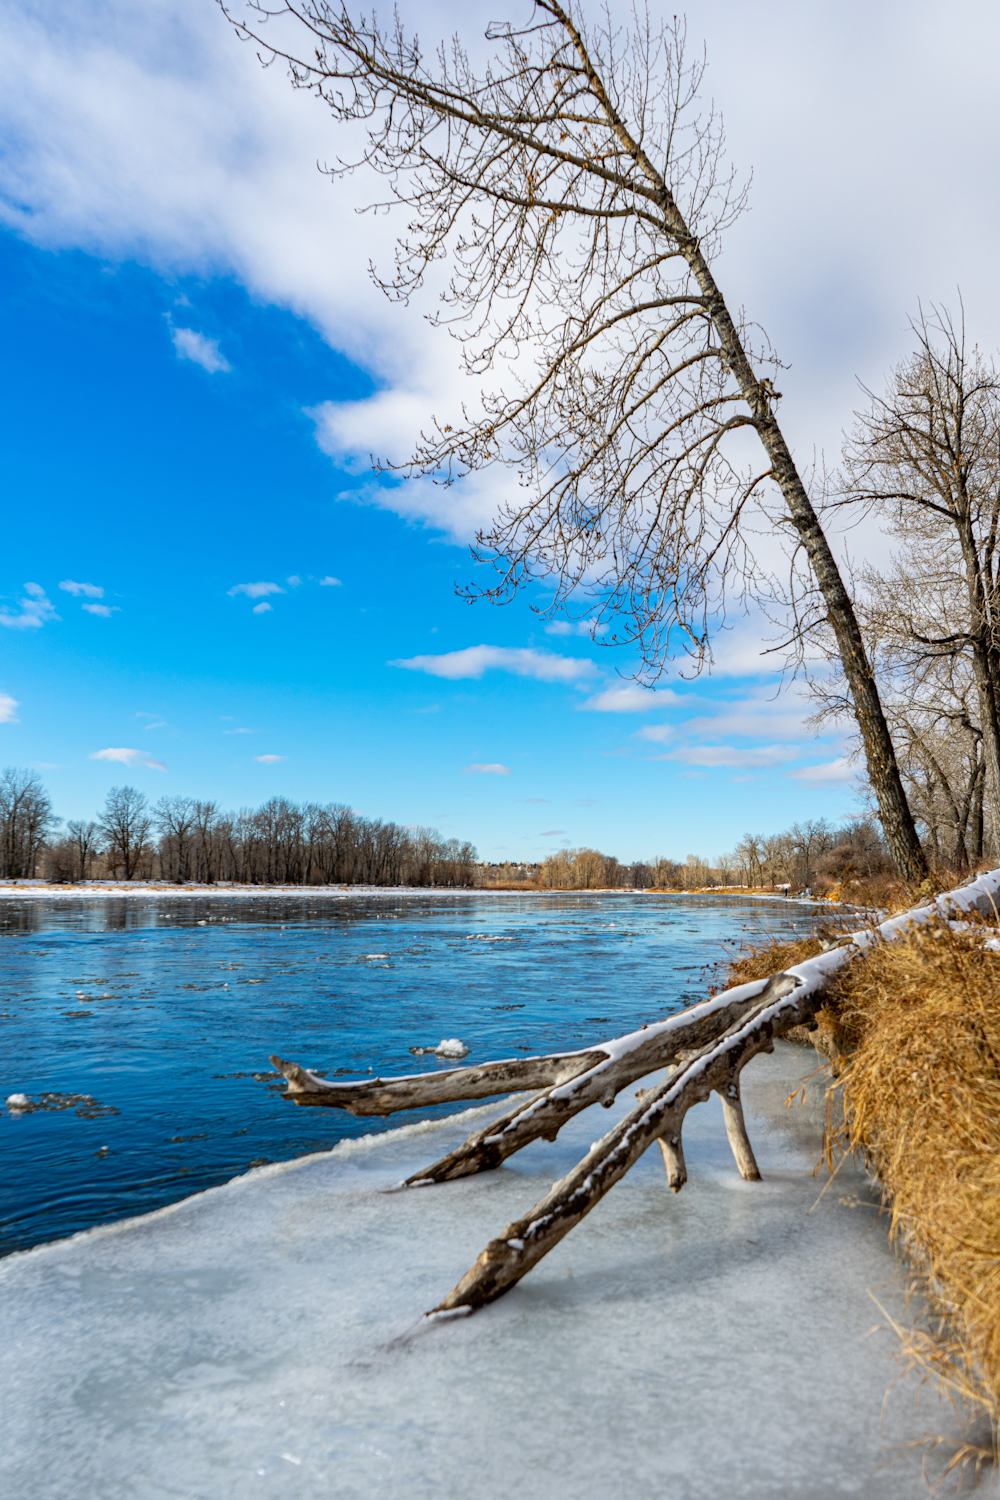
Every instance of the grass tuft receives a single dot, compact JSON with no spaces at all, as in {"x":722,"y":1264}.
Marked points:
{"x":913,"y":1031}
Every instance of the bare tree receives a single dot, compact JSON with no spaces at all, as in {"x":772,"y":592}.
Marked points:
{"x":124,"y":825}
{"x":82,"y":836}
{"x":581,"y":198}
{"x":175,"y":822}
{"x":25,"y":820}
{"x":927,"y":456}
{"x":914,"y":617}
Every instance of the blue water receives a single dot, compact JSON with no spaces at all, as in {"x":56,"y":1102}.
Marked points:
{"x":163,"y":1013}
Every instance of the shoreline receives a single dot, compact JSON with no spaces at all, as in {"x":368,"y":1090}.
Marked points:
{"x":39,"y":890}
{"x":284,"y":1306}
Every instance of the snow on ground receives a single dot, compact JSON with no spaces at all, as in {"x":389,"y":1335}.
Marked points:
{"x":134,"y":888}
{"x":264,"y":1338}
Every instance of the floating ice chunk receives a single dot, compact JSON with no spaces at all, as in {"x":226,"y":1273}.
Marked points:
{"x":447,"y":1047}
{"x":377,"y":955}
{"x":451,"y":1047}
{"x":17,"y":1101}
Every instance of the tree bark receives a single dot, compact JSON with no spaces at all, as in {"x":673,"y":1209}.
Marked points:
{"x":883,"y":770}
{"x":880,"y":755}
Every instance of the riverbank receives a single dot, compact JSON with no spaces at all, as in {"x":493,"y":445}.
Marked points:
{"x":912,"y":1035}
{"x":134,"y":889}
{"x":267,"y":1333}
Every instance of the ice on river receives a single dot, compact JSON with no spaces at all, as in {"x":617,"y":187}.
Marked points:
{"x":264,"y":1338}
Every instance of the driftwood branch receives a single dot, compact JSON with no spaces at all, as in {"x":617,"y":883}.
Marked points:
{"x":707,"y":1048}
{"x":659,"y":1116}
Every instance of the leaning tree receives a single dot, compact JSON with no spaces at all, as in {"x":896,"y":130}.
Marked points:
{"x":576,"y":190}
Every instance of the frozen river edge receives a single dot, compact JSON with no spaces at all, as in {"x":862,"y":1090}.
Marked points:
{"x":265,"y":1337}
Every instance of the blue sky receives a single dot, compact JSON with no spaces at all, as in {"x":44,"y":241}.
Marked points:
{"x":195,"y":370}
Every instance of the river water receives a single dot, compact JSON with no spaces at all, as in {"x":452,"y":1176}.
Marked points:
{"x":141,"y":1029}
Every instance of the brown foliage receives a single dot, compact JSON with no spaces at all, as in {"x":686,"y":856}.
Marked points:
{"x":914,"y":1033}
{"x":922,"y":1093}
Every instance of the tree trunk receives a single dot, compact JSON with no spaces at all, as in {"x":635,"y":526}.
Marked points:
{"x":880,"y":755}
{"x":982,"y":665}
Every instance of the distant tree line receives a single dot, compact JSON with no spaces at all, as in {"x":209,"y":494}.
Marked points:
{"x":814,"y":855}
{"x":182,"y":839}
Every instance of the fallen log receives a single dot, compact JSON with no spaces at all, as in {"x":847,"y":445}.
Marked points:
{"x":707,"y":1045}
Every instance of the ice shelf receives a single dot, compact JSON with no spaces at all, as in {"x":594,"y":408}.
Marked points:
{"x":265,"y":1338}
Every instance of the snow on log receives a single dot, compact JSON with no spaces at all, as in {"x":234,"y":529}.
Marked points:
{"x":709,"y":1044}
{"x":792,"y":1000}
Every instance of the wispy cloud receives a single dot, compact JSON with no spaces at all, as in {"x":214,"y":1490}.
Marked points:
{"x":239,"y":731}
{"x":268,"y":760}
{"x":255,"y":590}
{"x":473,"y":661}
{"x":36,"y":610}
{"x":553,"y":833}
{"x":129,"y":758}
{"x":744,"y":757}
{"x":105,"y":611}
{"x":8,"y":706}
{"x":494,"y":769}
{"x":261,"y":609}
{"x":88,"y":590}
{"x":200,"y":350}
{"x":294,"y":581}
{"x":539,"y":801}
{"x":157,"y":724}
{"x":329,"y":582}
{"x":570,"y":627}
{"x":630,"y":698}
{"x":840,"y":769}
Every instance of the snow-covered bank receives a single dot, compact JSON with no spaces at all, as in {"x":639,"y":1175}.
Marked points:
{"x":265,"y":1337}
{"x":134,"y":889}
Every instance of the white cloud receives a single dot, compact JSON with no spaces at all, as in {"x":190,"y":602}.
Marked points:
{"x":200,"y":350}
{"x":840,"y":769}
{"x":755,"y":756}
{"x":630,"y":698}
{"x":105,"y":611}
{"x":330,"y":582}
{"x":268,"y":760}
{"x":36,"y":610}
{"x":255,"y":590}
{"x":140,"y":129}
{"x":473,"y":661}
{"x":574,"y":627}
{"x":261,"y":609}
{"x":294,"y":580}
{"x":7,"y":709}
{"x":553,"y":833}
{"x":129,"y":758}
{"x":89,"y":590}
{"x":488,"y":770}
{"x":157,"y":724}
{"x":239,"y":731}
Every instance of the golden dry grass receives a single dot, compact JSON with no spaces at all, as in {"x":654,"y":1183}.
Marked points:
{"x":921,"y":1087}
{"x":767,"y":958}
{"x":914,"y":1032}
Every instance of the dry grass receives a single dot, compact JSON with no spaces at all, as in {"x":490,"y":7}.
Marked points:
{"x":914,"y":1033}
{"x":767,"y":958}
{"x":921,"y":1085}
